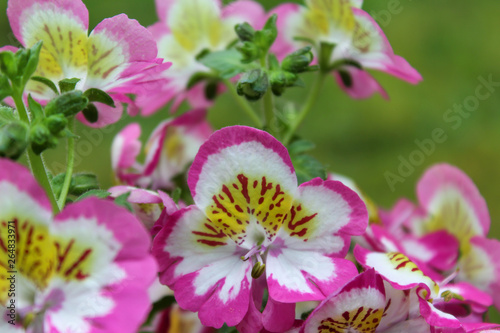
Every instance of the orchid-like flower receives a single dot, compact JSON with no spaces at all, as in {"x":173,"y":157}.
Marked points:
{"x":185,"y":30}
{"x":147,"y":205}
{"x":170,"y":149}
{"x":250,"y":218}
{"x":431,"y":299}
{"x":449,"y":201}
{"x":366,"y":304}
{"x":357,"y":40}
{"x":119,"y":55}
{"x":86,"y":270}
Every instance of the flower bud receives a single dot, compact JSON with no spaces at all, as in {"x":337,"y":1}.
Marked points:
{"x":280,"y":80}
{"x":13,"y":140}
{"x":245,"y":32}
{"x":68,"y":104}
{"x":250,"y":52}
{"x":56,"y":123}
{"x":39,"y":134}
{"x":298,"y":61}
{"x":253,"y":84}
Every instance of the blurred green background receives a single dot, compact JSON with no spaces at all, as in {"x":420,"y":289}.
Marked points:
{"x":451,"y":43}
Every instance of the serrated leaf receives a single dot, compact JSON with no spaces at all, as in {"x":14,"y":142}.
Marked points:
{"x":68,"y":84}
{"x":307,"y":168}
{"x":47,"y":82}
{"x":101,"y":194}
{"x":227,"y":63}
{"x":97,"y":95}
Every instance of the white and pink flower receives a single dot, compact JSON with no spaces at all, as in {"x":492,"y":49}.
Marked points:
{"x":170,"y":149}
{"x":119,"y":56}
{"x":186,"y":28}
{"x":450,"y":202}
{"x":356,"y":38}
{"x":249,"y":218}
{"x":85,"y":270}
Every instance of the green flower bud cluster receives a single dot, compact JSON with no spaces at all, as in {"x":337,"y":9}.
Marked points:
{"x":256,"y":44}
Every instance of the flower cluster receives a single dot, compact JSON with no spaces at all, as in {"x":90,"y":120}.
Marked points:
{"x":218,"y":230}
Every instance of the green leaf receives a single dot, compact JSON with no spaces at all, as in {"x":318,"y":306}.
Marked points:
{"x":197,"y":78}
{"x":47,"y":82}
{"x":101,"y":194}
{"x":8,"y":64}
{"x":176,"y":194}
{"x":227,"y":63}
{"x":122,"y":200}
{"x":7,"y":115}
{"x":5,"y":89}
{"x":68,"y":84}
{"x":32,"y":64}
{"x":97,"y":95}
{"x":82,"y":183}
{"x":35,"y":108}
{"x":300,"y":146}
{"x":304,"y":39}
{"x":307,"y":168}
{"x":159,"y":306}
{"x":90,"y":113}
{"x":68,"y":103}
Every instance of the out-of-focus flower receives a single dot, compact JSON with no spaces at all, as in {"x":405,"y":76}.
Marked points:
{"x":187,"y":28}
{"x":449,"y":201}
{"x":249,"y":218}
{"x":357,"y":40}
{"x":442,"y":305}
{"x":147,"y":205}
{"x":169,"y":150}
{"x":119,"y":55}
{"x":86,"y":270}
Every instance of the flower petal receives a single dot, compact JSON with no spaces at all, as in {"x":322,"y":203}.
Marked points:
{"x":113,"y":43}
{"x":360,"y":305}
{"x":299,"y":276}
{"x":363,"y":85}
{"x":62,"y":26}
{"x":243,"y":179}
{"x":323,"y":213}
{"x":204,"y":268}
{"x":125,"y":148}
{"x":454,"y":203}
{"x":396,"y":268}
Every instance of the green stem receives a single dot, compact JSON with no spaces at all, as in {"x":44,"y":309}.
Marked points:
{"x":36,"y":162}
{"x":69,"y":169}
{"x":267,"y":100}
{"x":311,"y":100}
{"x":243,"y":104}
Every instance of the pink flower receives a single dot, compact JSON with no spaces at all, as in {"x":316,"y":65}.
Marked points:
{"x":356,"y":37}
{"x":187,"y":28}
{"x":450,"y":202}
{"x":170,"y":149}
{"x":86,"y":269}
{"x":148,"y":206}
{"x":119,"y":55}
{"x":249,"y":218}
